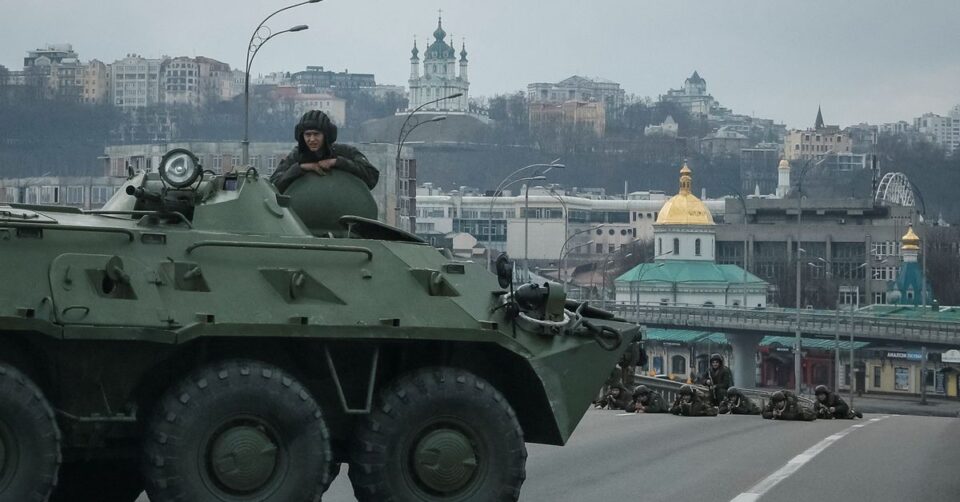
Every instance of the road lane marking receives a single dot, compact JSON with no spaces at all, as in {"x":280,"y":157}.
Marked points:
{"x":795,"y":463}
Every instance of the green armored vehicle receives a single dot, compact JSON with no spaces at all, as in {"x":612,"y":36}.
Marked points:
{"x":195,"y":339}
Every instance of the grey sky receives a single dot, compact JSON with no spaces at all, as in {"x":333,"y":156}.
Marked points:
{"x":863,"y":60}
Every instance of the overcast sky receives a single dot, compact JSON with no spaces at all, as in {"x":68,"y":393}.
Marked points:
{"x":862,"y":60}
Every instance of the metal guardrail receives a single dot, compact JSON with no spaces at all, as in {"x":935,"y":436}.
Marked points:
{"x":670,"y":388}
{"x":812,"y":322}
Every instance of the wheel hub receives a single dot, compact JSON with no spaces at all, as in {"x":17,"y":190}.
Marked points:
{"x":445,"y":460}
{"x":243,"y":458}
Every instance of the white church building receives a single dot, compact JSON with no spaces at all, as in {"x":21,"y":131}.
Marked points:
{"x":684,"y":271}
{"x":439,"y":77}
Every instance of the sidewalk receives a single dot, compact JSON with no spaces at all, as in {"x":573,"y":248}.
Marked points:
{"x":905,"y":405}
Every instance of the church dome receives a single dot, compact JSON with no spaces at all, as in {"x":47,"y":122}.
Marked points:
{"x":684,"y":208}
{"x":784,"y":164}
{"x":911,"y":241}
{"x":439,"y":34}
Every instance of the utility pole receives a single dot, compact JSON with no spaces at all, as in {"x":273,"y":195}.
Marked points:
{"x":923,"y":375}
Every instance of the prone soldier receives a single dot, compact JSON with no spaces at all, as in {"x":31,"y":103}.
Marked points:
{"x":692,"y":403}
{"x":617,"y":398}
{"x":830,"y":405}
{"x":737,"y":403}
{"x":647,"y":401}
{"x":784,"y":405}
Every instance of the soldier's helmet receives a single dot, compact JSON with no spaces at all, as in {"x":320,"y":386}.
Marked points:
{"x":821,"y":389}
{"x":686,"y":390}
{"x":716,"y":357}
{"x":778,"y":396}
{"x":734,"y":392}
{"x":641,"y":390}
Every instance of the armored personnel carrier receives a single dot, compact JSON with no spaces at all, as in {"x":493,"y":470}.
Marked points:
{"x":195,"y":339}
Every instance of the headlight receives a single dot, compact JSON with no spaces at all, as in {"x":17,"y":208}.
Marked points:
{"x":179,"y":168}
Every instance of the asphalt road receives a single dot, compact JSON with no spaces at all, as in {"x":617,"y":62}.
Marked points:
{"x":662,"y":457}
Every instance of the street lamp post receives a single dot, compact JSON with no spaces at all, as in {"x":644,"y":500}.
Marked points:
{"x":797,"y":370}
{"x":490,"y":212}
{"x":253,"y":46}
{"x":503,"y":186}
{"x":743,"y":205}
{"x":562,"y":258}
{"x":401,"y":137}
{"x":396,"y":163}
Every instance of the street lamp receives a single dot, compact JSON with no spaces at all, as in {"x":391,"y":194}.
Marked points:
{"x":603,"y":298}
{"x":396,"y":163}
{"x":401,"y":137}
{"x":797,"y":373}
{"x":503,"y":186}
{"x":490,"y":212}
{"x":259,"y":37}
{"x":640,"y":279}
{"x":562,"y":257}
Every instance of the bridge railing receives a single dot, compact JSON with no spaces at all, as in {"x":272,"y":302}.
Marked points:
{"x":816,"y":322}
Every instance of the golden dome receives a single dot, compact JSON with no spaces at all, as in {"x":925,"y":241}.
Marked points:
{"x":911,"y":242}
{"x":684,"y":208}
{"x":783,"y":164}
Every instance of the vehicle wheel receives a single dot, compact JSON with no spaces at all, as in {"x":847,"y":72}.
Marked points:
{"x":99,"y":480}
{"x":29,"y":439}
{"x":237,"y":431}
{"x":439,"y":434}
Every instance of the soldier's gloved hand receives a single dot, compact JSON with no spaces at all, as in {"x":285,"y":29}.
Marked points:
{"x":833,"y":410}
{"x":314,"y":167}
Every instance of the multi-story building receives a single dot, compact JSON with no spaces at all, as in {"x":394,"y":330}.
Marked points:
{"x":817,"y":143}
{"x":537,"y":224}
{"x":135,"y":82}
{"x":944,"y":131}
{"x":439,"y":78}
{"x":334,"y":107}
{"x":575,"y":116}
{"x":51,"y":54}
{"x":180,"y":81}
{"x":96,"y":83}
{"x":579,"y":89}
{"x":900,"y":127}
{"x":85,"y":192}
{"x":693,"y":97}
{"x":723,"y":142}
{"x":316,"y":80}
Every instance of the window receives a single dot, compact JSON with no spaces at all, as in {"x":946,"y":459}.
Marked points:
{"x":676,"y":247}
{"x":885,"y":273}
{"x":678,"y":365}
{"x":696,"y":247}
{"x":876,"y":376}
{"x":612,"y":248}
{"x":659,"y":246}
{"x":879,"y":297}
{"x":612,"y":231}
{"x":75,"y":195}
{"x":217,"y":163}
{"x":599,"y":248}
{"x":49,"y":195}
{"x":901,"y":379}
{"x":9,"y":194}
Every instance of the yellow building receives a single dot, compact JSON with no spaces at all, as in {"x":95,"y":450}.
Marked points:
{"x":815,"y":144}
{"x":95,"y":81}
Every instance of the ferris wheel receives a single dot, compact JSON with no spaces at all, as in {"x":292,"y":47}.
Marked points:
{"x":894,"y":189}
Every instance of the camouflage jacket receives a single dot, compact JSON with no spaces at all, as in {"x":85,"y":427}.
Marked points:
{"x":349,"y":159}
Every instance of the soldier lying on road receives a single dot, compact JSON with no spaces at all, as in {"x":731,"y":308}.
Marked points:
{"x":784,"y":405}
{"x":831,"y":405}
{"x":738,"y":404}
{"x":647,"y":401}
{"x":617,"y":398}
{"x":692,"y":403}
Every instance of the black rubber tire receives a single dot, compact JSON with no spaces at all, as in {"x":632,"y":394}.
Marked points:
{"x":382,"y":466}
{"x":30,"y":437}
{"x":181,"y":439}
{"x":99,"y":480}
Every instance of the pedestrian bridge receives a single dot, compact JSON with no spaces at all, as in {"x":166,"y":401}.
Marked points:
{"x":875,"y":323}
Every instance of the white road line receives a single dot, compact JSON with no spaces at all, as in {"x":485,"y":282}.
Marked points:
{"x":757,"y":490}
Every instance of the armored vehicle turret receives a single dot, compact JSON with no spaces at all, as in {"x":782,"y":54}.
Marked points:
{"x":195,"y":339}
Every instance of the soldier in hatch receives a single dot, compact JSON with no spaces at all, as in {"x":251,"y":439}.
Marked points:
{"x":317,"y":152}
{"x":784,"y":405}
{"x":692,"y":403}
{"x":647,"y":401}
{"x":718,"y":380}
{"x":736,"y":403}
{"x":831,"y":405}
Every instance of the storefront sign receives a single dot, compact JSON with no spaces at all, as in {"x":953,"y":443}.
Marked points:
{"x":910,"y":356}
{"x":951,"y":356}
{"x":783,"y":349}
